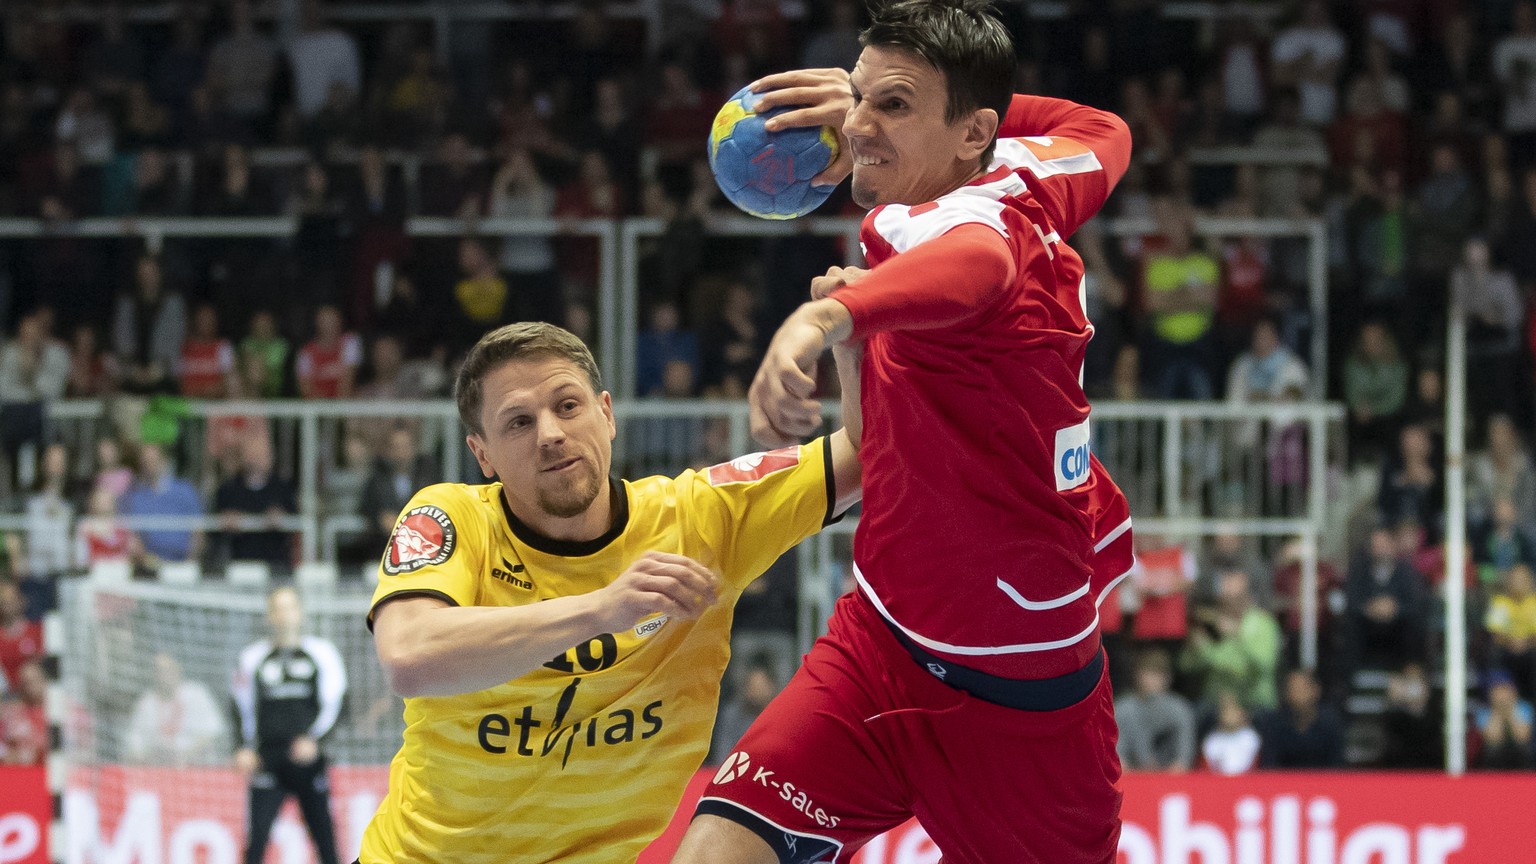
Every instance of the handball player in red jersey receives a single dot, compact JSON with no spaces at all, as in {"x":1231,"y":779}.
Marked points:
{"x":963,"y":681}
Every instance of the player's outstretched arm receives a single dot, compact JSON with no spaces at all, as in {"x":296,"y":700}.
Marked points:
{"x":428,"y":648}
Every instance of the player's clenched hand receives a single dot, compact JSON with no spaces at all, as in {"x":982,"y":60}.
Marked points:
{"x":659,"y":582}
{"x":821,"y":97}
{"x":782,"y":408}
{"x":837,"y":277}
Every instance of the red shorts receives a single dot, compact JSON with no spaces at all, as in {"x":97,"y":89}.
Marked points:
{"x":864,"y":738}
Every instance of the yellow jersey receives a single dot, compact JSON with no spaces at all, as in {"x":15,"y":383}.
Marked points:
{"x":1507,"y":616}
{"x":586,"y":758}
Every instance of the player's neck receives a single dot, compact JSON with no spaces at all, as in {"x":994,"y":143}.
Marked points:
{"x":590,"y":524}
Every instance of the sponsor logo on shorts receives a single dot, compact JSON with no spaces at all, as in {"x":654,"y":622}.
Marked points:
{"x":646,"y":628}
{"x":735,"y":765}
{"x":425,"y":537}
{"x":797,"y":797}
{"x":938,"y":671}
{"x":1071,"y":460}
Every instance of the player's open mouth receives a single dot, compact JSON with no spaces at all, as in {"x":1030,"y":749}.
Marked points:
{"x":867,"y":160}
{"x":561,"y":466}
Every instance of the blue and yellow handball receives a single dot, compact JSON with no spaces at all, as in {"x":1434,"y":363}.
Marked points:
{"x":768,"y":174}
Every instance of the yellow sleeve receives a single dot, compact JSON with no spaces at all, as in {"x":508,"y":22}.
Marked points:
{"x":437,"y":549}
{"x":749,"y":511}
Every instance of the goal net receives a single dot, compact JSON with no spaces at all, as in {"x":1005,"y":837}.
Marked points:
{"x":149,"y":727}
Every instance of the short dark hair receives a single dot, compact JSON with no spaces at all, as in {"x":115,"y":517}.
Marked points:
{"x":516,"y":342}
{"x":960,"y":38}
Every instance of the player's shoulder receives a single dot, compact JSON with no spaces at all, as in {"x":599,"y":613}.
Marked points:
{"x":459,"y":500}
{"x":255,"y":652}
{"x":1044,"y":156}
{"x":903,"y":226}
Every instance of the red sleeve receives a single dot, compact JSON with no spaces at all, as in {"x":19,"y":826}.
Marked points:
{"x":1070,"y":198}
{"x":923,"y":288}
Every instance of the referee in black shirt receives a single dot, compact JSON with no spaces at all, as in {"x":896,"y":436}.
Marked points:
{"x":289,"y":690}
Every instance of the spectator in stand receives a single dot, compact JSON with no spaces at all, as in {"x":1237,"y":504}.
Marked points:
{"x":159,"y":492}
{"x":662,"y":343}
{"x":1232,"y":747}
{"x":1180,"y":283}
{"x":320,"y":58}
{"x":1514,"y":66}
{"x":242,"y":67}
{"x":1504,"y":726}
{"x":1503,"y":470}
{"x":1444,"y":214}
{"x":680,"y":114}
{"x":1234,"y":646}
{"x":1266,"y":370}
{"x":1304,"y":732}
{"x":455,"y":184}
{"x":326,"y":367}
{"x":1412,"y":722}
{"x":1375,"y":389}
{"x":21,"y":639}
{"x":34,"y":369}
{"x":148,"y":329}
{"x":593,"y":195}
{"x":176,"y":722}
{"x":1502,"y":544}
{"x":482,"y":299}
{"x":231,"y":187}
{"x":1308,"y":55}
{"x":1284,"y":131}
{"x":1511,"y":625}
{"x":1411,"y":486}
{"x":519,"y":192}
{"x":207,"y":361}
{"x":1371,"y":134}
{"x":1157,"y":726}
{"x":50,"y":511}
{"x":111,"y":470}
{"x":100,"y":537}
{"x":1495,"y":329}
{"x":760,"y":685}
{"x":730,"y":347}
{"x":85,"y":128}
{"x":258,"y":491}
{"x":92,"y":371}
{"x":399,"y":473}
{"x":1163,"y":574}
{"x":1385,"y":606}
{"x":270,"y":350}
{"x":1287,"y":597}
{"x":23,"y":720}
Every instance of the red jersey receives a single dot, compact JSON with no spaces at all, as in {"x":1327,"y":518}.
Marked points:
{"x":324,"y":367}
{"x":990,"y":533}
{"x":19,"y":642}
{"x":203,"y":367}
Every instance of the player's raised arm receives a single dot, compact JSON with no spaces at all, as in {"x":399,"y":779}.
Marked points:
{"x":1087,"y":154}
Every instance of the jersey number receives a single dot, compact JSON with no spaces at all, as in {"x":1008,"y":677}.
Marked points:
{"x":582,"y":655}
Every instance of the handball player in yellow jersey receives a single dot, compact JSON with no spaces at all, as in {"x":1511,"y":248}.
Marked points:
{"x":559,"y":636}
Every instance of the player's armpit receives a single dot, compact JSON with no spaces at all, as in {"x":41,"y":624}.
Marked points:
{"x":939,"y":283}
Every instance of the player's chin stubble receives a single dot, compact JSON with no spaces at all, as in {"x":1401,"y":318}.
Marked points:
{"x":571,"y":498}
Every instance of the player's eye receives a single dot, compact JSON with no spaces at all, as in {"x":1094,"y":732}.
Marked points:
{"x":569,"y":405}
{"x":894,"y":104}
{"x":518,"y":423}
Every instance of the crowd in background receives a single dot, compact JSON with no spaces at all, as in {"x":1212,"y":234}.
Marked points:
{"x":1407,"y":126}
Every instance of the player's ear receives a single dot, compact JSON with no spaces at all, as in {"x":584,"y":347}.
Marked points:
{"x":980,"y":129}
{"x":606,"y":399}
{"x":482,"y":457}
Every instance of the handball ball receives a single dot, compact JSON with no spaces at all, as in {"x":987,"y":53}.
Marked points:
{"x":768,"y":174}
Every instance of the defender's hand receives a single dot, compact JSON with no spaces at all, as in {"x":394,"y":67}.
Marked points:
{"x":782,"y":408}
{"x":837,"y":277}
{"x":821,"y":97}
{"x":662,"y":582}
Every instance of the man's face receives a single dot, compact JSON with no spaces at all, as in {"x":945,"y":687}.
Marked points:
{"x":284,"y":614}
{"x":548,"y":436}
{"x":904,"y":151}
{"x":1300,"y":691}
{"x":10,"y":602}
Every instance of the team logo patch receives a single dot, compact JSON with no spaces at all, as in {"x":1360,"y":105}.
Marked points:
{"x":735,"y":765}
{"x":425,"y":537}
{"x":753,"y":466}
